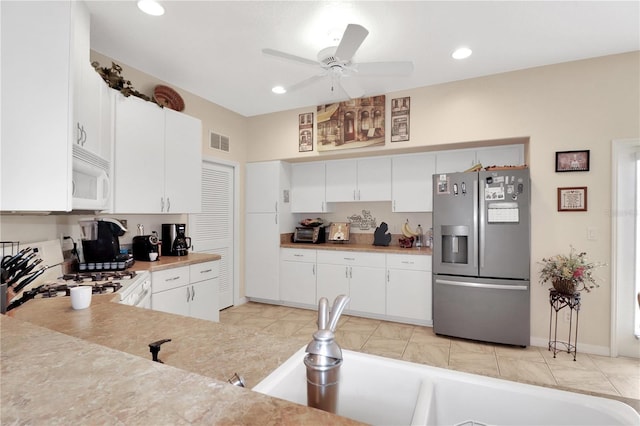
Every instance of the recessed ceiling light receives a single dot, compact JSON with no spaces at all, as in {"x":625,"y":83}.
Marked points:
{"x":279,"y":90}
{"x":461,"y":53}
{"x":151,"y":7}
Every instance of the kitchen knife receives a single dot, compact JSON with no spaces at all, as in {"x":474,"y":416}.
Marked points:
{"x":25,"y":297}
{"x":29,"y":280}
{"x":8,"y":261}
{"x":22,"y":263}
{"x":24,"y":272}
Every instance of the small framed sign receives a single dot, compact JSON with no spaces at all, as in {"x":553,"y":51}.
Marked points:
{"x":339,"y":231}
{"x":572,"y":161}
{"x":572,"y":199}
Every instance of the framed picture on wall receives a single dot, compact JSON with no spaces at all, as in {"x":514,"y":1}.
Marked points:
{"x":305,"y":132}
{"x":572,"y":161}
{"x":572,"y":199}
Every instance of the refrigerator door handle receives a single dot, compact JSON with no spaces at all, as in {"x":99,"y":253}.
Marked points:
{"x":482,"y":224}
{"x":474,"y":234}
{"x":481,"y":285}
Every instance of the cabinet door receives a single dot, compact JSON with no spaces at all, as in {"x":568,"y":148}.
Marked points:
{"x":455,"y":161}
{"x":341,"y":180}
{"x":261,"y":193}
{"x":308,"y":188}
{"x":262,"y":249}
{"x":204,"y":300}
{"x":367,"y":289}
{"x":409,"y":294}
{"x":508,"y":155}
{"x":36,"y":90}
{"x":374,"y":179}
{"x":173,"y":301}
{"x":183,"y":163}
{"x":298,"y":282}
{"x":332,"y":281}
{"x":139,"y":156}
{"x":411,"y":183}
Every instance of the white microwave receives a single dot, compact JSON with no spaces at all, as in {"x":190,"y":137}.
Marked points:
{"x":91,"y":184}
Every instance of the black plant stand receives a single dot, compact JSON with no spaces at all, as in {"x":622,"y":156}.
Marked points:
{"x":558,"y":302}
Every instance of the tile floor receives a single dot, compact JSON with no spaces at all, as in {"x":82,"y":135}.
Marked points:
{"x":617,"y":377}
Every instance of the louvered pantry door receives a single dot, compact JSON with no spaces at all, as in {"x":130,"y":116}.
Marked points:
{"x":211,"y":231}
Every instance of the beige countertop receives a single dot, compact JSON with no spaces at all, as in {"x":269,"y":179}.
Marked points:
{"x":359,"y":247}
{"x":94,"y":366}
{"x":168,"y":262}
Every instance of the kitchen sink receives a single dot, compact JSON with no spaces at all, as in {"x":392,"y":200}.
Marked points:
{"x":384,"y":391}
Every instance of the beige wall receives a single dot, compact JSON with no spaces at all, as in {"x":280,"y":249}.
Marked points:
{"x":570,"y":106}
{"x":577,"y":105}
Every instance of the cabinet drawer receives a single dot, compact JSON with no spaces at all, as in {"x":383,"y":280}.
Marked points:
{"x":351,"y":258}
{"x":169,"y":278}
{"x":407,"y":261}
{"x":204,"y":271}
{"x":298,"y":255}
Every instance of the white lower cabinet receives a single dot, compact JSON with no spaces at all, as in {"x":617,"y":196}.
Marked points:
{"x":298,"y":276}
{"x":359,"y":275}
{"x":390,"y":286}
{"x":409,"y":288}
{"x":187,"y":290}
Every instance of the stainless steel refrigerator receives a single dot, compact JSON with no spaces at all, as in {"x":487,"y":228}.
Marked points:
{"x":481,"y":255}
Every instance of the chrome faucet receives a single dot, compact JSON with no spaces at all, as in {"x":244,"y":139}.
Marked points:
{"x":324,"y":357}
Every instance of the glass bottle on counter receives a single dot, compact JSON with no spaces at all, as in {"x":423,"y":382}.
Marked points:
{"x":419,"y":237}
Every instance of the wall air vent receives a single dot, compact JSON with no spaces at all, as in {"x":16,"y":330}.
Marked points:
{"x":219,"y":142}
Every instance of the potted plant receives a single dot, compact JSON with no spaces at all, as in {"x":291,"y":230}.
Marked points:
{"x":569,"y":273}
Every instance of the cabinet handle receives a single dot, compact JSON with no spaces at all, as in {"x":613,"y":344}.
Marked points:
{"x":314,"y":269}
{"x":394,"y":205}
{"x":354,"y":194}
{"x":205,"y":271}
{"x":193,"y":293}
{"x":358,"y":194}
{"x":79,"y":134}
{"x":168,"y":204}
{"x":298,"y":255}
{"x":188,"y":295}
{"x":275,"y":207}
{"x":161,"y":204}
{"x":349,"y":258}
{"x":346,"y":272}
{"x":407,"y":262}
{"x":172,"y":278}
{"x":388,"y":276}
{"x":350,"y":272}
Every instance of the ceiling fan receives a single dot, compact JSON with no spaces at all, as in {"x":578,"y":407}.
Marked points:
{"x":336,"y":62}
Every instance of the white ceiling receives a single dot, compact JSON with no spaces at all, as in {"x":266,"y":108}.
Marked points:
{"x":214,"y":48}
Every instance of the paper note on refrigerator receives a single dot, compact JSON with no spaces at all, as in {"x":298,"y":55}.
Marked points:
{"x":503,"y":213}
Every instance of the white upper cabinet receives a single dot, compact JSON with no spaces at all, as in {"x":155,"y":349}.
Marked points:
{"x":182,"y":163}
{"x":38,"y":72}
{"x":262,"y":187}
{"x":457,"y":160}
{"x":411,"y":182}
{"x":366,"y":179}
{"x":158,"y":159}
{"x":308,"y":188}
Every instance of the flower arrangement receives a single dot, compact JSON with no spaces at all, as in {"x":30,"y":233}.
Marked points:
{"x":571,"y":273}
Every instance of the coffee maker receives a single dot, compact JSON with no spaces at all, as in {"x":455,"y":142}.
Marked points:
{"x":100,"y":241}
{"x":174,"y":241}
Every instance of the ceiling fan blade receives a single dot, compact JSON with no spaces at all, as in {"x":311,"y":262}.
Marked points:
{"x":304,"y":83}
{"x":384,"y":68}
{"x":352,"y":38}
{"x":289,"y":57}
{"x":351,"y":87}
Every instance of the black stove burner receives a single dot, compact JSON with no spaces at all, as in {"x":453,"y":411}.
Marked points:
{"x":55,"y":290}
{"x":99,"y":276}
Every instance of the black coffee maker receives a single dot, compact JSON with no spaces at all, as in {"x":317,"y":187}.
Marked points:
{"x":100,"y":241}
{"x":174,"y":240}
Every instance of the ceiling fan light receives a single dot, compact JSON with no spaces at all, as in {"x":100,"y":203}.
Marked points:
{"x":151,"y":7}
{"x":461,"y":53}
{"x":279,"y":90}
